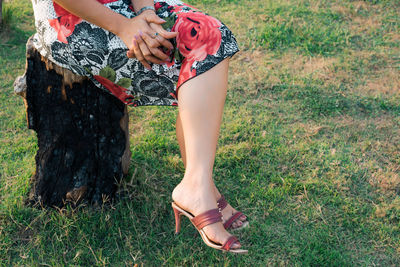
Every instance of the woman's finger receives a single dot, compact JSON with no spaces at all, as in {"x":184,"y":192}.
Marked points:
{"x":153,"y":45}
{"x":138,"y":52}
{"x":164,"y":42}
{"x":147,"y":53}
{"x":154,"y":60}
{"x":149,"y":39}
{"x":164,"y":33}
{"x":153,"y":18}
{"x":162,"y":36}
{"x":130,"y":54}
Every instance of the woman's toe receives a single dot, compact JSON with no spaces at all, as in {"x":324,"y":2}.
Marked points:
{"x":237,"y":224}
{"x":236,"y":245}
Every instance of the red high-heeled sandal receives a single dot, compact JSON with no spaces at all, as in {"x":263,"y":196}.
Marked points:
{"x":228,"y":223}
{"x":202,"y":220}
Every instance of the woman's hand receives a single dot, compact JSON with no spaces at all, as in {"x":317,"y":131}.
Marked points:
{"x":139,"y":36}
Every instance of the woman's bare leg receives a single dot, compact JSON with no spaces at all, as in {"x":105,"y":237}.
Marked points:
{"x":181,"y":138}
{"x":201,"y":102}
{"x":229,"y":210}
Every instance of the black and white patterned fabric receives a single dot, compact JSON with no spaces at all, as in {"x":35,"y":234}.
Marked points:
{"x":89,"y":50}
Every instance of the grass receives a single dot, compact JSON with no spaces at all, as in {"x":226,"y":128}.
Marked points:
{"x":309,"y":149}
{"x":7,"y":16}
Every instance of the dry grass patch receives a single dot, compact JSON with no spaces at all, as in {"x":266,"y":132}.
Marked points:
{"x":300,"y":66}
{"x":369,"y":24}
{"x":387,"y":82}
{"x":394,"y":37}
{"x":389,"y":211}
{"x":383,"y":123}
{"x":252,"y":63}
{"x":377,"y":149}
{"x":266,"y":67}
{"x":252,"y":70}
{"x":386,"y":181}
{"x":341,"y":9}
{"x":380,"y":74}
{"x":361,"y":5}
{"x":137,"y":123}
{"x":175,"y":161}
{"x":369,"y":73}
{"x":351,"y":10}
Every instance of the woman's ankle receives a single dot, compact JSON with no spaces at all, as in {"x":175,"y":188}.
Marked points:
{"x":217,"y":193}
{"x":198,"y":179}
{"x":193,"y":188}
{"x":194,"y":195}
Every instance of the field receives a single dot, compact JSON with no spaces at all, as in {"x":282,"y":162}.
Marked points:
{"x":309,"y":149}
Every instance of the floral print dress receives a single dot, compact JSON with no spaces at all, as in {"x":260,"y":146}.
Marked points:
{"x":89,"y":50}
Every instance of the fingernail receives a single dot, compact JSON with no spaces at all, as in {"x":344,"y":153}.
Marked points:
{"x":140,"y":32}
{"x":163,"y":20}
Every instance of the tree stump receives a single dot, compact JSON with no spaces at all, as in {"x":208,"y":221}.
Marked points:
{"x":82,"y":133}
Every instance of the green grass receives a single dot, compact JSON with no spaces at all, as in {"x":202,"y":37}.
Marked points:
{"x":7,"y":16}
{"x":309,"y":149}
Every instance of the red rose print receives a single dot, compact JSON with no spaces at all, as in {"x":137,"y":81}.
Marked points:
{"x":64,"y":24}
{"x":173,"y":95}
{"x":185,"y":73}
{"x":157,"y":6}
{"x":116,"y":90}
{"x":199,"y":35}
{"x":60,"y":11}
{"x":106,"y":1}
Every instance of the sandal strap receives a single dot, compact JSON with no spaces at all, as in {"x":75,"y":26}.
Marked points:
{"x":228,"y":244}
{"x":222,"y":202}
{"x":234,"y":217}
{"x":206,"y":218}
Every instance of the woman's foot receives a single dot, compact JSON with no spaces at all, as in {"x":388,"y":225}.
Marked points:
{"x":197,"y":198}
{"x":229,"y":211}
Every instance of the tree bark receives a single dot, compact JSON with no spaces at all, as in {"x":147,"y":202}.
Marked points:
{"x":82,"y":132}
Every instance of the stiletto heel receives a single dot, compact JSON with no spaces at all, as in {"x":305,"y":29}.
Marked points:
{"x":202,"y":220}
{"x":177,"y":220}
